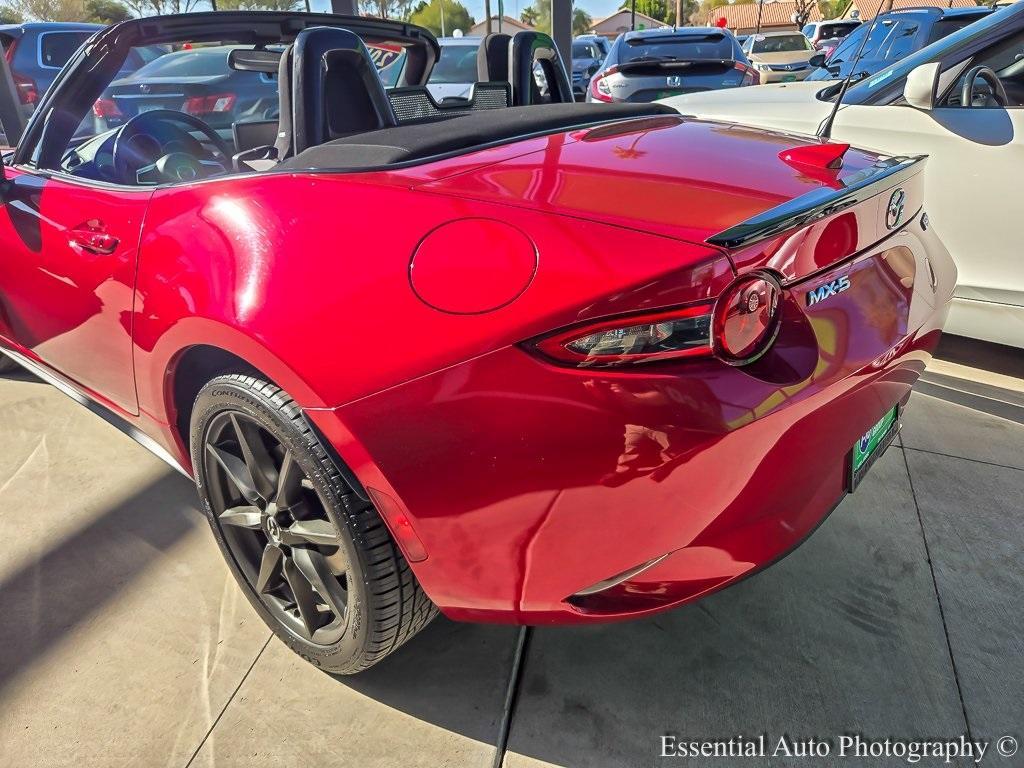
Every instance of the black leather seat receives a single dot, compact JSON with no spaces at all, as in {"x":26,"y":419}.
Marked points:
{"x":335,"y":90}
{"x":535,"y":50}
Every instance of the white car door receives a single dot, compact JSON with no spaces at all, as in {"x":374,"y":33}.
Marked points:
{"x":974,"y":199}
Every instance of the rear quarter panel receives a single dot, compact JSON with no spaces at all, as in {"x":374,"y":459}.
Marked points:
{"x":307,"y":277}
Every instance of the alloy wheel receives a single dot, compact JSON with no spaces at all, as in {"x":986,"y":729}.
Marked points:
{"x":277,"y":528}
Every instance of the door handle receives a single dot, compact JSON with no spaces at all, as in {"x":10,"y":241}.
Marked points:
{"x":93,"y":238}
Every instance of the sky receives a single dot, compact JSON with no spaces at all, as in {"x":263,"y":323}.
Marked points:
{"x":596,"y":8}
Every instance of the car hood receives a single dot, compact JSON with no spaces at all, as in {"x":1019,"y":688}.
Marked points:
{"x":681,"y":178}
{"x":786,"y":106}
{"x":782,"y":57}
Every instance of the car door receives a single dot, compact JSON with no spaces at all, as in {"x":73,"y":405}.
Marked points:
{"x":973,"y":199}
{"x":68,"y":254}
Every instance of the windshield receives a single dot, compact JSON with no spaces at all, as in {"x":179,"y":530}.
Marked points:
{"x":456,"y":65}
{"x":870,"y":89}
{"x":198,"y":62}
{"x":682,"y":47}
{"x":585,"y":51}
{"x":781,"y":44}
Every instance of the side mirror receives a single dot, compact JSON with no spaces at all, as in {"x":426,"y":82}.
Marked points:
{"x":817,"y":60}
{"x":920,"y":90}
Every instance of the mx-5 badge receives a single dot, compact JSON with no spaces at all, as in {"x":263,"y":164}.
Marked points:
{"x":825,"y":290}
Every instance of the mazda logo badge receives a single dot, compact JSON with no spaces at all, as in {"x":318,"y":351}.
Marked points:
{"x":145,"y":88}
{"x":894,"y":211}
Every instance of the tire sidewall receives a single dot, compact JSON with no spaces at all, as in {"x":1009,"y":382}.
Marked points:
{"x":232,"y":394}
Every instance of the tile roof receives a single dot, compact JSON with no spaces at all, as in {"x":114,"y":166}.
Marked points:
{"x":868,"y":8}
{"x":776,"y":13}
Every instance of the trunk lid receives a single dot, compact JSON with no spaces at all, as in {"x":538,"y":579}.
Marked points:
{"x":692,"y":180}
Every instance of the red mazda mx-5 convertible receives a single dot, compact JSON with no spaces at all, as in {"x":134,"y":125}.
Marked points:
{"x":510,"y":357}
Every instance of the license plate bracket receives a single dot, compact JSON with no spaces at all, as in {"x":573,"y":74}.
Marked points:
{"x":871,"y":445}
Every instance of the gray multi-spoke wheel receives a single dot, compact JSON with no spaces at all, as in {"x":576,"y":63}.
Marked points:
{"x":314,"y":559}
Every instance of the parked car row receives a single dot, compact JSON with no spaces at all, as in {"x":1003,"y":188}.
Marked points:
{"x":945,"y":83}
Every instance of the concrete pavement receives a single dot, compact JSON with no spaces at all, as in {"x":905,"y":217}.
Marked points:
{"x":124,"y":640}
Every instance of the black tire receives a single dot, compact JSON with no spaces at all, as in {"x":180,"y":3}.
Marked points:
{"x":7,"y":365}
{"x":384,"y":604}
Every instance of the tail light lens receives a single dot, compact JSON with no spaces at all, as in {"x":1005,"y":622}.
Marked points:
{"x":27,"y":91}
{"x":750,"y":75}
{"x":599,"y":87}
{"x":106,"y":108}
{"x":746,"y":319}
{"x":207,"y":105}
{"x":671,"y":334}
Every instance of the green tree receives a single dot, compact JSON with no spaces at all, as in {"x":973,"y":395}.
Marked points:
{"x":665,"y":10}
{"x":538,"y":16}
{"x":50,"y":10}
{"x":581,"y":21}
{"x":106,"y":11}
{"x":455,"y":17}
{"x":259,"y":5}
{"x":10,"y":15}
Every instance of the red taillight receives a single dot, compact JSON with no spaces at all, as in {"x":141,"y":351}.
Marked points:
{"x":750,"y":75}
{"x":670,"y":334}
{"x":207,"y":105}
{"x":106,"y":108}
{"x":27,"y":92}
{"x":746,"y":319}
{"x":599,"y":87}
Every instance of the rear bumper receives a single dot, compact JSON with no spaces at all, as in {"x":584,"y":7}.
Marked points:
{"x":527,"y":484}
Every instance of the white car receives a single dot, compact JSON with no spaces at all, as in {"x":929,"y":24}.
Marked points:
{"x":455,"y":72}
{"x":960,"y":101}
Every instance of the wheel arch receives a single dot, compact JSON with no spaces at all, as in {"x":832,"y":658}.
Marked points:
{"x":195,"y":365}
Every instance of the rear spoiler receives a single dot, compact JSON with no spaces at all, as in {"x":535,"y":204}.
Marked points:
{"x":820,"y":203}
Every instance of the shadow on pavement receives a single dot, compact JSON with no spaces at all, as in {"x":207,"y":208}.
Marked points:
{"x":45,"y":599}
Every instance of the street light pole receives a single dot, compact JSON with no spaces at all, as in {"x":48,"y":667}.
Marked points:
{"x":632,"y":16}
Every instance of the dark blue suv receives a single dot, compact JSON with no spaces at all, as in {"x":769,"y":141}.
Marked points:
{"x":37,"y":51}
{"x":894,"y":35}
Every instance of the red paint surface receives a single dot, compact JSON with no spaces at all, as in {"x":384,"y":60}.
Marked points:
{"x":522,"y":481}
{"x":497,"y":260}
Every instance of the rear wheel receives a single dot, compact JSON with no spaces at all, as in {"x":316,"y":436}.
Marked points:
{"x":314,"y":559}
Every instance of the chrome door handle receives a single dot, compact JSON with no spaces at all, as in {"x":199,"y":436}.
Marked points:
{"x":93,"y":240}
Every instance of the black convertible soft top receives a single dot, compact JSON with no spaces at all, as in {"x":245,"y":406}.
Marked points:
{"x":416,"y":142}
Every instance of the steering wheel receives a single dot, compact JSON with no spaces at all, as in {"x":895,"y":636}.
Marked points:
{"x":989,"y":76}
{"x":132,"y":167}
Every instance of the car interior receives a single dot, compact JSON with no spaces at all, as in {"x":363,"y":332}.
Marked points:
{"x":335,"y":113}
{"x":994,"y":78}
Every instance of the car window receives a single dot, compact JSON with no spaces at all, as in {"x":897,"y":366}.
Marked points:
{"x":55,"y":48}
{"x":456,"y":65}
{"x":879,"y":39}
{"x":808,"y":31}
{"x":902,"y":41}
{"x":945,"y":27}
{"x":780,"y":43}
{"x":585,"y":51}
{"x":683,"y":47}
{"x":886,"y":85}
{"x":836,"y":30}
{"x":181,"y":78}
